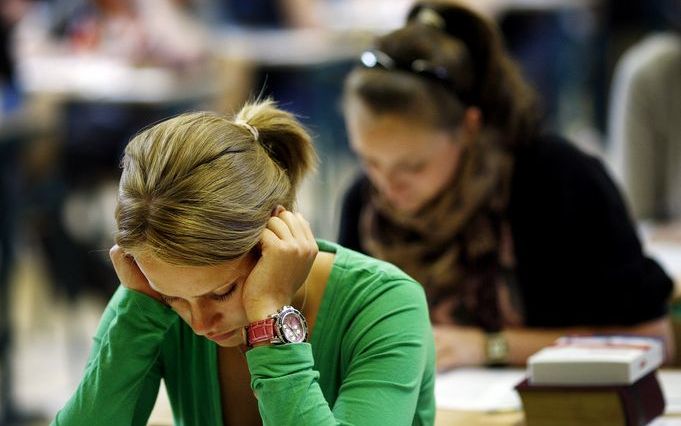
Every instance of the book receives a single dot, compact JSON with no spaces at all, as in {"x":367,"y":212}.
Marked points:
{"x":582,"y":360}
{"x":633,"y":404}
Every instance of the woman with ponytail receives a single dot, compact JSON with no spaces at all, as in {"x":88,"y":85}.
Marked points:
{"x":226,"y":295}
{"x":517,"y":236}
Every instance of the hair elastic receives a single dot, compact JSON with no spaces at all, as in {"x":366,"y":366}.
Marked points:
{"x":250,"y":128}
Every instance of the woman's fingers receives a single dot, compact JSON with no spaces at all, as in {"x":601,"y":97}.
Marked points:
{"x":457,"y":346}
{"x":288,"y":251}
{"x":125,"y":266}
{"x":280,"y":228}
{"x":294,"y":224}
{"x":129,"y":273}
{"x":307,"y":229}
{"x":445,"y":353}
{"x":293,"y":228}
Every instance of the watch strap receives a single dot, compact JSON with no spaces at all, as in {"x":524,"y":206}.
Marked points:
{"x":496,"y":349}
{"x":262,"y":331}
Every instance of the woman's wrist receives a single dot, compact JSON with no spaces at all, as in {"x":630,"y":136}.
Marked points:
{"x":263,"y":309}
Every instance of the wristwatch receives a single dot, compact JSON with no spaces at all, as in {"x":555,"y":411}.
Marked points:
{"x":287,"y":325}
{"x":496,"y":349}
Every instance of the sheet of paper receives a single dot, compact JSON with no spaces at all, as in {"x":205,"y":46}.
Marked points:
{"x":666,"y":421}
{"x":478,"y":389}
{"x":671,"y":388}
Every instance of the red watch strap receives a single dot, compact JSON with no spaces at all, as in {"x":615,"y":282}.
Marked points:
{"x":261,"y":331}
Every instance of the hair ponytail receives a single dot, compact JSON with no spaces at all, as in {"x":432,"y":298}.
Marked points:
{"x":282,"y":136}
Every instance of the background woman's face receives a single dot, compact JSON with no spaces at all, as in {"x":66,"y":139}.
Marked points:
{"x":408,"y":163}
{"x":208,"y":298}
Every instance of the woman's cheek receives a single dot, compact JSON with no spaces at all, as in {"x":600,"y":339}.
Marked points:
{"x":182,"y":310}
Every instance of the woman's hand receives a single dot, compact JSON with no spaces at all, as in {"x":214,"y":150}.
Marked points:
{"x":457,"y":346}
{"x":130,"y":274}
{"x":288,"y":250}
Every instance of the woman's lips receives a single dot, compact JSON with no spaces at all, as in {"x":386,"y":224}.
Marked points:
{"x":223,"y":336}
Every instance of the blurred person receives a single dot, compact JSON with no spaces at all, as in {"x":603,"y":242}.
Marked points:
{"x":64,"y":196}
{"x":14,"y":130}
{"x":268,"y":13}
{"x":11,"y":12}
{"x":645,"y":129}
{"x":517,"y":236}
{"x":620,"y":25}
{"x":219,"y":277}
{"x":149,"y":32}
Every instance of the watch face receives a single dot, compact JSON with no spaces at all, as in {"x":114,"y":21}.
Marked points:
{"x":293,"y":328}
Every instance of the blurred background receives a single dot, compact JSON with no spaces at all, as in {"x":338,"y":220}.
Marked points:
{"x":79,"y":77}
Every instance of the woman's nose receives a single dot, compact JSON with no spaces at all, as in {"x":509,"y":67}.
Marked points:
{"x":203,"y":318}
{"x":384,"y":179}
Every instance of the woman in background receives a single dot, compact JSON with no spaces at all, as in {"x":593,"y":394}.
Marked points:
{"x":222,"y":283}
{"x":517,"y":236}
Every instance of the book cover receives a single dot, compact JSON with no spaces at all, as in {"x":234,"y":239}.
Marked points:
{"x":581,"y":360}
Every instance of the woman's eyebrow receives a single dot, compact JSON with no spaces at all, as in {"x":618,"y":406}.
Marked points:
{"x":218,"y":289}
{"x":208,"y":293}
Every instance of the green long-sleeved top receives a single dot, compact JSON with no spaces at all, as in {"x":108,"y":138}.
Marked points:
{"x":370,"y":360}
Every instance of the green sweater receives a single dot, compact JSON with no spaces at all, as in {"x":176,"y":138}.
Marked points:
{"x":370,"y":361}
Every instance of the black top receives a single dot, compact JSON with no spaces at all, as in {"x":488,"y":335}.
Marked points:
{"x":578,"y":258}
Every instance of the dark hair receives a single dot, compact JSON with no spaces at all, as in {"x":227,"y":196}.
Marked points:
{"x":478,"y":72}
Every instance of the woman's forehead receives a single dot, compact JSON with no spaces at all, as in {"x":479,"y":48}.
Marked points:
{"x":396,"y":136}
{"x":188,"y":281}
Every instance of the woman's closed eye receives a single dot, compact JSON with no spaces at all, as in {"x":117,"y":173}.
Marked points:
{"x":414,"y":167}
{"x":169,"y":300}
{"x":224,"y":296}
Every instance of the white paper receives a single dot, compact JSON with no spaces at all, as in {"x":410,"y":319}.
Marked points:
{"x":671,"y":388}
{"x":491,"y":390}
{"x":478,"y":389}
{"x":666,"y":421}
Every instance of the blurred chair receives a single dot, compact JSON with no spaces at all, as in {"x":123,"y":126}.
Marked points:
{"x":15,"y":132}
{"x":7,"y":197}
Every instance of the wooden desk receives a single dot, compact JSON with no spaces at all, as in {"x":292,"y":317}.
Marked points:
{"x":103,"y":79}
{"x":473,"y":418}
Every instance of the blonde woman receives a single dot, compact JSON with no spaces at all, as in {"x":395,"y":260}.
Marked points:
{"x":227,"y":296}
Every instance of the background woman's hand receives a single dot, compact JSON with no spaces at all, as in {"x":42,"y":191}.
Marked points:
{"x":288,"y":250}
{"x":457,"y":346}
{"x":129,"y":273}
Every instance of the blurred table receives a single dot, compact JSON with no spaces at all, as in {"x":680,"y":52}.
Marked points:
{"x":104,"y":79}
{"x":290,"y":47}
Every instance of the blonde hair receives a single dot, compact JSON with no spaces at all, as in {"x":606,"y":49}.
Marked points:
{"x":198,"y":189}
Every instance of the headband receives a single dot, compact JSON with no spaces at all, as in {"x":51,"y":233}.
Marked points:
{"x":374,"y":58}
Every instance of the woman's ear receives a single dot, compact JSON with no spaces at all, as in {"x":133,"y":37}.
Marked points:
{"x":277,"y":210}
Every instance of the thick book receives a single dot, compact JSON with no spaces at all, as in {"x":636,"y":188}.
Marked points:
{"x":582,"y":360}
{"x":634,"y":404}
